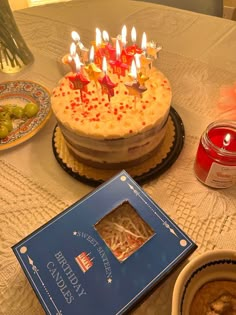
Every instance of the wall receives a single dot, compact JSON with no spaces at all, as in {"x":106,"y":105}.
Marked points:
{"x":18,"y":4}
{"x":230,"y":3}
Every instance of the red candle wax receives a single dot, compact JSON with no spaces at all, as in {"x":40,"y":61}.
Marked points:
{"x":215,"y":163}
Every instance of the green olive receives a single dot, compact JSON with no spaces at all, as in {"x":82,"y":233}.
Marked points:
{"x":31,"y":109}
{"x":7,"y":123}
{"x":18,"y":112}
{"x":3,"y":132}
{"x":5,"y":115}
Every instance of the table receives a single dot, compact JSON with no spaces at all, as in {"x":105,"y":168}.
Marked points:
{"x":198,"y":57}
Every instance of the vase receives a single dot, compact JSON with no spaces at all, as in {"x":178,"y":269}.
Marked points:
{"x":14,"y":52}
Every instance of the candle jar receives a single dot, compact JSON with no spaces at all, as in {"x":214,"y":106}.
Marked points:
{"x":215,"y":163}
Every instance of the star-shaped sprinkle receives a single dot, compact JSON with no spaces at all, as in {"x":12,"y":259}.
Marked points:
{"x":109,"y":280}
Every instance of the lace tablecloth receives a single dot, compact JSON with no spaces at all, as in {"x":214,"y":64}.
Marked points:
{"x":34,"y":188}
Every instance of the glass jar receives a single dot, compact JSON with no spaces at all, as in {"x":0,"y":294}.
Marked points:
{"x":215,"y":163}
{"x":14,"y":53}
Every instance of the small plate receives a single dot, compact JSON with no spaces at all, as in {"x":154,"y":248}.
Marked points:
{"x":20,"y":93}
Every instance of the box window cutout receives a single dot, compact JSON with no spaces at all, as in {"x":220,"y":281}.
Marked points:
{"x":124,"y":231}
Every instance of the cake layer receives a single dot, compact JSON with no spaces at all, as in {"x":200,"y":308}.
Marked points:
{"x":114,"y":153}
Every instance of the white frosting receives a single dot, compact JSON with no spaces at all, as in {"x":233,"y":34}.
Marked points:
{"x":124,"y":130}
{"x":124,"y":116}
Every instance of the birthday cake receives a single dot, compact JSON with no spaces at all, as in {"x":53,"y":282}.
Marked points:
{"x":112,"y":118}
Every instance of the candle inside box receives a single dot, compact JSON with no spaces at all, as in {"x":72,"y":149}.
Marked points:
{"x":215,"y":163}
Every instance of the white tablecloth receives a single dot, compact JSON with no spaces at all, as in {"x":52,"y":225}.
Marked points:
{"x":198,"y":57}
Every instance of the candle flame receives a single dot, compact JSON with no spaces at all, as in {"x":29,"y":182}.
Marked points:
{"x":133,"y":70}
{"x":124,"y":35}
{"x":117,"y":50}
{"x":72,"y":49}
{"x":227,"y":139}
{"x":105,"y":36}
{"x":137,"y":60}
{"x":133,"y":34}
{"x":104,"y":65}
{"x":98,"y":37}
{"x":77,"y":63}
{"x":144,"y":42}
{"x":75,"y":36}
{"x":91,"y":54}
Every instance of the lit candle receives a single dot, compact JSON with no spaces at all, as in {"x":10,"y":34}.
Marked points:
{"x":75,"y":36}
{"x":99,"y":50}
{"x":117,"y":65}
{"x":106,"y":83}
{"x":127,"y":54}
{"x":98,"y":37}
{"x":144,"y":42}
{"x":83,"y":51}
{"x":78,"y":80}
{"x":69,"y":59}
{"x":109,"y":50}
{"x":144,"y":60}
{"x":92,"y":70}
{"x":215,"y":163}
{"x":142,"y":78}
{"x":121,"y":38}
{"x":134,"y":86}
{"x":134,"y":49}
{"x":124,"y":35}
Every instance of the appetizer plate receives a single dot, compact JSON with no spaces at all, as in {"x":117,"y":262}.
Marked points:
{"x":20,"y":93}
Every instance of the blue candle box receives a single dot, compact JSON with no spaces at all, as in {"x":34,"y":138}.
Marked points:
{"x":73,"y":268}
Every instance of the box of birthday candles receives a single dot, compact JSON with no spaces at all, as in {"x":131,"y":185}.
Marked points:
{"x":104,"y":253}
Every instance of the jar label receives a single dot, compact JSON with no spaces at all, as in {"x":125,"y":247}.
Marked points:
{"x":221,"y":176}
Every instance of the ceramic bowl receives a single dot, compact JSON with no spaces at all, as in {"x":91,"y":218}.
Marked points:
{"x":212,"y":265}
